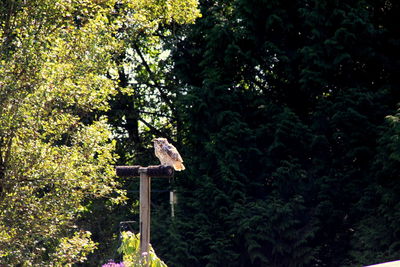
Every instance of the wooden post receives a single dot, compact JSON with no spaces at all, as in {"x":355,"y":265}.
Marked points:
{"x":144,"y":210}
{"x":145,"y":174}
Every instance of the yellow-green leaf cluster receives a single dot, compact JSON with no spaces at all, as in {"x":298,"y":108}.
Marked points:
{"x":56,"y":64}
{"x":130,"y":248}
{"x":147,"y":15}
{"x":54,"y":151}
{"x":74,"y":249}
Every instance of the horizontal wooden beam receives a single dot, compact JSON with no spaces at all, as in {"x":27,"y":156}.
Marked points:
{"x":151,"y":171}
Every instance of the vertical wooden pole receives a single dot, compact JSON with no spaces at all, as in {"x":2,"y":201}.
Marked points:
{"x":144,"y":211}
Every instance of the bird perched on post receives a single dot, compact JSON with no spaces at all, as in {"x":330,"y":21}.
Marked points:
{"x":168,"y":154}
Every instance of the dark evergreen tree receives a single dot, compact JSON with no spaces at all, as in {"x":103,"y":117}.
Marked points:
{"x":286,"y":144}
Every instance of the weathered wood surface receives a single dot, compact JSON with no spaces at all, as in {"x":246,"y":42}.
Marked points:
{"x":145,"y":190}
{"x":152,"y":171}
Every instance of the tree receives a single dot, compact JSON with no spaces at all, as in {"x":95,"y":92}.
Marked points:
{"x":54,"y":152}
{"x":144,"y":105}
{"x":283,"y":110}
{"x":142,"y":108}
{"x":61,"y":63}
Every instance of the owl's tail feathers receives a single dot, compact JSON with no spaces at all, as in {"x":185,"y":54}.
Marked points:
{"x":178,"y":166}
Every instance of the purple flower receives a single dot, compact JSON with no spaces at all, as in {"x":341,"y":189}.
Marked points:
{"x":111,"y":263}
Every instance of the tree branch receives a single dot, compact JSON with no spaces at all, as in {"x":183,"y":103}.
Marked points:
{"x":163,"y":95}
{"x":152,"y":128}
{"x":157,"y":114}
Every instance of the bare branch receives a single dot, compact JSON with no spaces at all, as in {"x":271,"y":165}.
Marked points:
{"x":163,"y":95}
{"x":153,"y":129}
{"x":157,"y":114}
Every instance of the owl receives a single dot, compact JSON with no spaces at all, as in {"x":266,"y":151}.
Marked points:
{"x":167,"y":154}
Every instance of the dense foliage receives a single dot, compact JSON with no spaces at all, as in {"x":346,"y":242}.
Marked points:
{"x":290,"y":133}
{"x":54,"y":153}
{"x":130,"y":248}
{"x":58,"y":61}
{"x":285,"y":112}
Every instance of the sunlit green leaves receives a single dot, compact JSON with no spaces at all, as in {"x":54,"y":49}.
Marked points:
{"x":74,"y":249}
{"x":54,"y":152}
{"x":58,"y":70}
{"x":130,"y":248}
{"x":150,"y":13}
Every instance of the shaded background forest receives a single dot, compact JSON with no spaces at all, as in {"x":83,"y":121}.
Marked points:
{"x":287,"y":119}
{"x":286,"y":115}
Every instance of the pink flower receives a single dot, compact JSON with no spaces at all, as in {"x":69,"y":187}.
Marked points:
{"x":111,"y":263}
